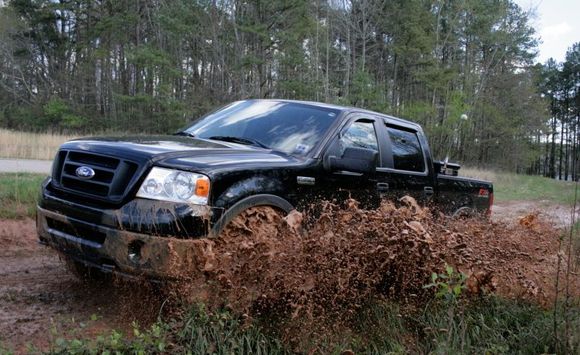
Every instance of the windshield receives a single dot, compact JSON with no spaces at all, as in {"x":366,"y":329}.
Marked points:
{"x":289,"y":127}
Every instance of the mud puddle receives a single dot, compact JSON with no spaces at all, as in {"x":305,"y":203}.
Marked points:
{"x":38,"y":295}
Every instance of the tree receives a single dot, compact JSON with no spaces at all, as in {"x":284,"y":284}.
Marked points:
{"x":152,"y":66}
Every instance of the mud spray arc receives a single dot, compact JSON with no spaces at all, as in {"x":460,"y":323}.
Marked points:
{"x":316,"y":277}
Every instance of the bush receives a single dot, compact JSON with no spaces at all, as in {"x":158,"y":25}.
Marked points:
{"x":58,"y":114}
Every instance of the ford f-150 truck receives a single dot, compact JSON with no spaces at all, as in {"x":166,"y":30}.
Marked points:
{"x":125,"y":204}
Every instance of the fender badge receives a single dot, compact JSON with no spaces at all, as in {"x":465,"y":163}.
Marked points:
{"x":305,"y":180}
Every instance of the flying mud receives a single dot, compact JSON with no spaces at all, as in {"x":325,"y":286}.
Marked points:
{"x":323,"y":264}
{"x":329,"y":268}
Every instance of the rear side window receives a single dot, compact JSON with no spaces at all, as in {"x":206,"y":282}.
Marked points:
{"x":407,"y":152}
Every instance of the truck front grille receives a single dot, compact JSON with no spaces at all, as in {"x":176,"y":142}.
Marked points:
{"x":109,"y":183}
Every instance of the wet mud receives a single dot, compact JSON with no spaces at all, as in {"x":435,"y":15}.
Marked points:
{"x":301,"y":269}
{"x":329,"y":268}
{"x":40,"y":299}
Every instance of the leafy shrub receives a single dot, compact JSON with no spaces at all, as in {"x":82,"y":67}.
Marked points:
{"x":58,"y":114}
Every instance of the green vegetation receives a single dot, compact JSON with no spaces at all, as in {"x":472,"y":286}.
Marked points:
{"x":18,"y":194}
{"x":486,"y":325}
{"x":509,"y":187}
{"x":527,"y":187}
{"x":152,"y":66}
{"x":491,"y":325}
{"x":449,"y":285}
{"x":196,"y":332}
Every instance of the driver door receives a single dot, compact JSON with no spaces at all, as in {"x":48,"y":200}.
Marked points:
{"x":359,"y":132}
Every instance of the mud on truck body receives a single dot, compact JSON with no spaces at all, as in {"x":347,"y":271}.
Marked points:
{"x":133,"y":205}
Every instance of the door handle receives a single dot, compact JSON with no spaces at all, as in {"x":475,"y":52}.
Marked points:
{"x":382,"y":186}
{"x":428,"y":190}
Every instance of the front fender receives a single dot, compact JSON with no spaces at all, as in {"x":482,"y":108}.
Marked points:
{"x":249,"y":187}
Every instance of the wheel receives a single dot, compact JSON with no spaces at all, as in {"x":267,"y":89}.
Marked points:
{"x":464,"y":212}
{"x":247,"y":204}
{"x":254,"y":222}
{"x":244,"y":255}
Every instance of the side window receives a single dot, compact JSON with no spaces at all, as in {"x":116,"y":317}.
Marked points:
{"x":407,"y":152}
{"x":360,"y":134}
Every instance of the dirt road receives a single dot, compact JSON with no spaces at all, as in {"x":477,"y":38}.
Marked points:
{"x":38,"y":294}
{"x":25,"y":166}
{"x":509,"y":211}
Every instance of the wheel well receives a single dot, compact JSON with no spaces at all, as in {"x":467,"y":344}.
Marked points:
{"x":248,"y":187}
{"x":245,"y":203}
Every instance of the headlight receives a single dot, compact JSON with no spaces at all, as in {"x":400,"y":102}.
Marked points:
{"x":176,"y":186}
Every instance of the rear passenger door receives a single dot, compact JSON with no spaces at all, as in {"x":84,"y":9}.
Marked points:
{"x":405,"y":169}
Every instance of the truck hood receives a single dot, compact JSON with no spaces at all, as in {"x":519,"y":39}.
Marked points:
{"x":180,"y":152}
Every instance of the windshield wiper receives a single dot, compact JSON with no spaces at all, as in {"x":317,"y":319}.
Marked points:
{"x":184,"y":133}
{"x":241,"y":140}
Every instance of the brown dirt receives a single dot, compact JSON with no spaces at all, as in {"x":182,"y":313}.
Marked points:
{"x":39,"y":295}
{"x":266,"y":263}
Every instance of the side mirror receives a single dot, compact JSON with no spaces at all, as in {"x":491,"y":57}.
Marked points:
{"x":356,"y":160}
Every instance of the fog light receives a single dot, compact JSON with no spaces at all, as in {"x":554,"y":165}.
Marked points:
{"x":134,"y":250}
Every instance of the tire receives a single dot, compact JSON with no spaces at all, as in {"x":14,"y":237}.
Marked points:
{"x":463,"y":212}
{"x":254,"y":219}
{"x":245,"y":204}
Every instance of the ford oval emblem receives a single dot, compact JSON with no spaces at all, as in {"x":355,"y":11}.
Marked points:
{"x":84,"y":172}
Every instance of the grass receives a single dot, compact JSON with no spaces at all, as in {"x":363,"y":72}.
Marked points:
{"x":25,"y":145}
{"x":18,"y":194}
{"x":483,"y":326}
{"x":493,"y":325}
{"x":509,"y":186}
{"x":197,"y":331}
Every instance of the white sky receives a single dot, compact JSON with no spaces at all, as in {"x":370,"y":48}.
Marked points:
{"x":557,"y":22}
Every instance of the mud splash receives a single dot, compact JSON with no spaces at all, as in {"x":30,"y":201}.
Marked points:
{"x":305,"y":275}
{"x":264,"y":263}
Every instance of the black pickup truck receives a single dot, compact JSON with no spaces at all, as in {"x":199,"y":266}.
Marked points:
{"x":125,"y":204}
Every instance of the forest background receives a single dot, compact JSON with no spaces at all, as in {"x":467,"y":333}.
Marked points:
{"x":464,"y":69}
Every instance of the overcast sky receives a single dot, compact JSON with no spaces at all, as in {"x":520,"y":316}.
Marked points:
{"x":557,"y":23}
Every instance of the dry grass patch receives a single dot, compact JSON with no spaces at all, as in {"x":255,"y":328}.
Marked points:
{"x":25,"y":145}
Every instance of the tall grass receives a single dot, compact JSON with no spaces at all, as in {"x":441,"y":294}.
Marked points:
{"x":25,"y":145}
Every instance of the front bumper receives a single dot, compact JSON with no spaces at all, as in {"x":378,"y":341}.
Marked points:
{"x":157,"y":240}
